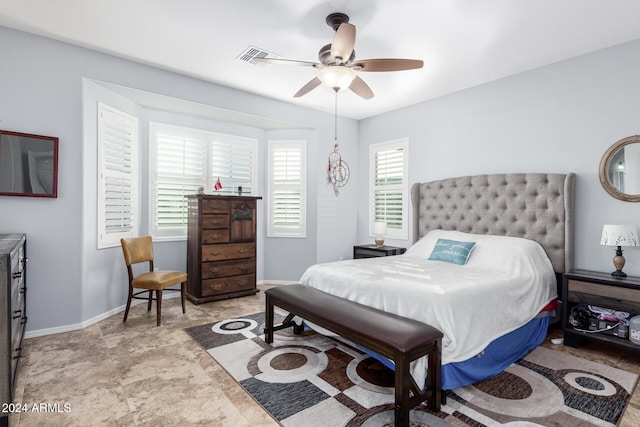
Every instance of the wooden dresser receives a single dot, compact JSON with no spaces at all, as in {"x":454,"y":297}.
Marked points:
{"x":221,"y":247}
{"x":13,"y":283}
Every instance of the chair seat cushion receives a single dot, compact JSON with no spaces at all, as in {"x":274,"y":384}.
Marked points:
{"x":159,"y":279}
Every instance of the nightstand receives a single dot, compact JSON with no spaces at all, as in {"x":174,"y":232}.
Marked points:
{"x":371,"y":251}
{"x":602,"y":290}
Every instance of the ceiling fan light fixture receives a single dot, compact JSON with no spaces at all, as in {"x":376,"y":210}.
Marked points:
{"x":337,"y":77}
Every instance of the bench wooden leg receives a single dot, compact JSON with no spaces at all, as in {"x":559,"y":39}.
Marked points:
{"x":268,"y":323}
{"x":434,"y":376}
{"x":402,"y":385}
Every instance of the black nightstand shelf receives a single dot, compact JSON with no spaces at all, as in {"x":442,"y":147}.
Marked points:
{"x":371,"y":251}
{"x":602,"y":290}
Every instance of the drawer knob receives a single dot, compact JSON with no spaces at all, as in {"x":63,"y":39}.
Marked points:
{"x":243,"y":250}
{"x":243,"y":267}
{"x":17,"y":314}
{"x":214,"y":252}
{"x":215,"y":236}
{"x":17,"y":274}
{"x":214,"y":269}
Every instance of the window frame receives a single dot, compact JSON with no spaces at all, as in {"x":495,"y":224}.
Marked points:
{"x":283,"y":231}
{"x":209,"y":138}
{"x":105,"y":238}
{"x":401,"y":233}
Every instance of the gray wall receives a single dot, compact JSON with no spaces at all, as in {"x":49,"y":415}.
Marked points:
{"x":47,"y":87}
{"x":560,"y":118}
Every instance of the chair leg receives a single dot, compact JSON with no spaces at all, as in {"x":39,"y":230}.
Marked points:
{"x":158,"y":305}
{"x":182,"y":286}
{"x":150,"y":299}
{"x":126,"y":311}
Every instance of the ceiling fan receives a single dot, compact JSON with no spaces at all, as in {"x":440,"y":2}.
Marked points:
{"x":338,"y":66}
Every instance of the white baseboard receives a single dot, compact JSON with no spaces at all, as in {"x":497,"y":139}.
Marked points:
{"x":89,"y":322}
{"x":98,"y":318}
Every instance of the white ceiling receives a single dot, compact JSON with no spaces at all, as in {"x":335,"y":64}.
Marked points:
{"x":463,"y":43}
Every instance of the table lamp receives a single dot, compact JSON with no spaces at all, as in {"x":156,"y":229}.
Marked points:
{"x":619,"y":235}
{"x":379,"y":230}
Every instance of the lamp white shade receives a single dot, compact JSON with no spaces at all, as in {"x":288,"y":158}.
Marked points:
{"x":379,"y":228}
{"x":619,"y":235}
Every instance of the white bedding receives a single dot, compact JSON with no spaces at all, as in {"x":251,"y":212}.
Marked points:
{"x":505,"y":284}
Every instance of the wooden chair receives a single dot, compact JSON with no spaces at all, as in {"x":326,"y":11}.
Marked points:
{"x":140,"y":249}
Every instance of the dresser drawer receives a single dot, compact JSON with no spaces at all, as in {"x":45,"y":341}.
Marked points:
{"x":228,"y":251}
{"x":215,"y":221}
{"x":215,"y":236}
{"x":18,"y":300}
{"x":215,"y":206}
{"x":17,"y":332}
{"x":212,"y":270}
{"x":228,"y":284}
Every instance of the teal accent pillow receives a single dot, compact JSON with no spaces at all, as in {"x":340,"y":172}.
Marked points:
{"x":452,"y":251}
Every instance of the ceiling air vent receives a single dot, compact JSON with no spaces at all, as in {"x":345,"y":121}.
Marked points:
{"x":251,"y":53}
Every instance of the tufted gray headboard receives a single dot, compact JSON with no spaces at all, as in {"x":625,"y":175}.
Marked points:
{"x":535,"y":206}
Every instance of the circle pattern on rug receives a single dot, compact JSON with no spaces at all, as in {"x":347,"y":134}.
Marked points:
{"x":354,"y":376}
{"x":234,"y":326}
{"x":505,"y":385}
{"x":416,"y":418}
{"x":288,"y":361}
{"x":545,"y":397}
{"x":278,"y":372}
{"x":374,"y":372}
{"x":590,"y":383}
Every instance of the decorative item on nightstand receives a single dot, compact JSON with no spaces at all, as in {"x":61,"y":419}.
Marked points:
{"x":379,"y":230}
{"x":619,"y":235}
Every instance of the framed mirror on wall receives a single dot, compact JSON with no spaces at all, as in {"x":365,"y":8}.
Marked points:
{"x":28,"y":165}
{"x":620,"y":169}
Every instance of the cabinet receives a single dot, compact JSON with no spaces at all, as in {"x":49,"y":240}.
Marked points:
{"x":221,"y":247}
{"x":13,"y":304}
{"x":603,"y":290}
{"x":370,"y":251}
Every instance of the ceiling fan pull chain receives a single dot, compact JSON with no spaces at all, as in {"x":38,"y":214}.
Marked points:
{"x":335,"y":119}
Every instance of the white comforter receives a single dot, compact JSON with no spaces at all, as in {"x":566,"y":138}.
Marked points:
{"x":504,"y":284}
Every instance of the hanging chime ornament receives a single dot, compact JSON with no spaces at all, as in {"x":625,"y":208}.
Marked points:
{"x":337,"y":169}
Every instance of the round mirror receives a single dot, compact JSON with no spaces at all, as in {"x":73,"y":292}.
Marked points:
{"x":620,"y":169}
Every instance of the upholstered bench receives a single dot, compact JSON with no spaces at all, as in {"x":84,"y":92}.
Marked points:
{"x":397,"y":338}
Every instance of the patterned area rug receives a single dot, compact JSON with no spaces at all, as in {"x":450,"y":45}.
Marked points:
{"x":312,"y":380}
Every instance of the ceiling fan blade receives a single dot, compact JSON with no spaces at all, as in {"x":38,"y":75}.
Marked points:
{"x":359,"y":87}
{"x":387,"y":64}
{"x":315,"y":82}
{"x":279,"y":61}
{"x":343,"y":43}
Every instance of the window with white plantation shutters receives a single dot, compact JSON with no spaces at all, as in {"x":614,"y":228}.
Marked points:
{"x":233,"y":161}
{"x":389,"y":187}
{"x":117,"y":176}
{"x":182,"y":160}
{"x":287,"y":189}
{"x":179,"y":167}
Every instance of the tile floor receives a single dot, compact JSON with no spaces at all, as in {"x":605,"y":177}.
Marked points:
{"x":134,"y":373}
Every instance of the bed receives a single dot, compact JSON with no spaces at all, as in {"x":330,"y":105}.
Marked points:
{"x":515,"y":232}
